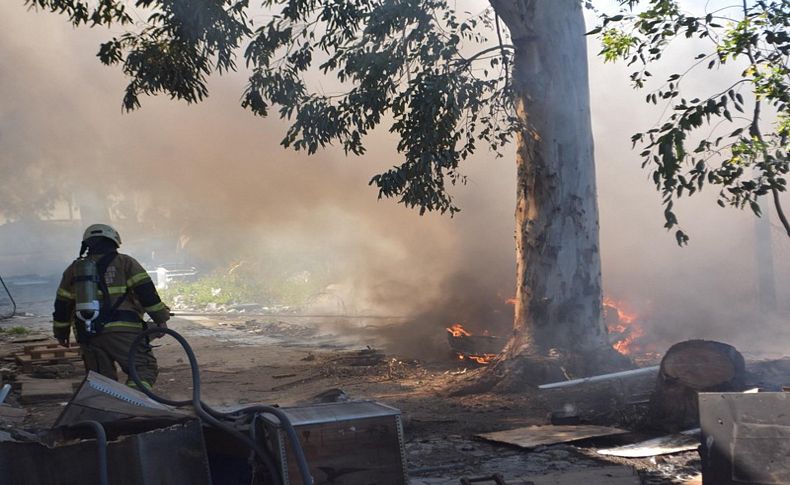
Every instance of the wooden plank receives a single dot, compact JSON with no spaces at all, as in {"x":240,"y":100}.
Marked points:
{"x":24,"y":359}
{"x":532,"y":436}
{"x":37,"y":390}
{"x":31,"y":348}
{"x":609,"y":475}
{"x":25,"y":362}
{"x":52,"y":353}
{"x":28,"y":339}
{"x":12,"y":414}
{"x":664,"y":445}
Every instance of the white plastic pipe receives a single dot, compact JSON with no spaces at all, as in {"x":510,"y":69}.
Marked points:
{"x":602,"y":377}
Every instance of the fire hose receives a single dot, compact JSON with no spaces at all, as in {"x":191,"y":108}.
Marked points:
{"x":101,"y":443}
{"x":13,"y":303}
{"x":216,"y":418}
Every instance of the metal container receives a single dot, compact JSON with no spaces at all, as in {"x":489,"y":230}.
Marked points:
{"x":348,"y":443}
{"x":745,"y":438}
{"x":175,"y":455}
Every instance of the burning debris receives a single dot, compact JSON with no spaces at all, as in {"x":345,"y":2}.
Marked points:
{"x":626,"y":328}
{"x":627,"y":332}
{"x":623,"y":327}
{"x":476,"y":349}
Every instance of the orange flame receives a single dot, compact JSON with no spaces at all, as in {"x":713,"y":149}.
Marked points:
{"x":483,"y":359}
{"x":627,"y":326}
{"x":458,"y":330}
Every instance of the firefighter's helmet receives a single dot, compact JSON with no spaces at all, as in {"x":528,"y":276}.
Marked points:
{"x":102,"y":230}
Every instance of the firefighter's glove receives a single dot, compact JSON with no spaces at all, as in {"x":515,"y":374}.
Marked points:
{"x":62,"y":335}
{"x":159,"y":325}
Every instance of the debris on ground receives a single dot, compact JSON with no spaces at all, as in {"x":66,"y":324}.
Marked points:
{"x":287,"y":363}
{"x":534,"y":436}
{"x":664,"y":445}
{"x":609,"y":475}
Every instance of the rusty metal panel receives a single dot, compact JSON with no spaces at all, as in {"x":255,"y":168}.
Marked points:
{"x":350,"y":443}
{"x":175,"y":456}
{"x":745,"y":438}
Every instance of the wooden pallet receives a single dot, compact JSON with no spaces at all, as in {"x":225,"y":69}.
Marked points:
{"x":32,"y":348}
{"x":34,"y":355}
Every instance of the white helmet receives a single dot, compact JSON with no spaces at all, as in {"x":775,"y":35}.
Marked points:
{"x":102,"y":230}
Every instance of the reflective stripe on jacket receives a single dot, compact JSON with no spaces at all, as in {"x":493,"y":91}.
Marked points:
{"x":124,"y":276}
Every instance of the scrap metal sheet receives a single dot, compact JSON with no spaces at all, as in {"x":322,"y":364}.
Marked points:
{"x":104,"y":400}
{"x":664,"y":445}
{"x":532,"y":436}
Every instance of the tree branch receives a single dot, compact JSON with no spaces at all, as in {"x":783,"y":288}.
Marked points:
{"x":502,"y":47}
{"x":754,"y":131}
{"x":780,"y":212}
{"x":486,"y":51}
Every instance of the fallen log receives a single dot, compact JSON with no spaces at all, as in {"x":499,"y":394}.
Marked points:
{"x":687,"y":369}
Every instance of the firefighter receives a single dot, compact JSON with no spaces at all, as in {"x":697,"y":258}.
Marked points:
{"x":103,"y":295}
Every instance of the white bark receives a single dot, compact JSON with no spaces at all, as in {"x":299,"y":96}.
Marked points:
{"x":764,"y":260}
{"x":558,"y":293}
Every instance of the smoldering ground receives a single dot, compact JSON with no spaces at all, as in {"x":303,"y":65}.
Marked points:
{"x":215,"y":178}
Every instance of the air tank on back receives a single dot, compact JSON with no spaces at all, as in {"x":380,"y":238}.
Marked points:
{"x":86,"y":278}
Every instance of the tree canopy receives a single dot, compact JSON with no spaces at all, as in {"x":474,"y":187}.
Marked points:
{"x":401,"y":63}
{"x":439,"y":80}
{"x":736,"y":137}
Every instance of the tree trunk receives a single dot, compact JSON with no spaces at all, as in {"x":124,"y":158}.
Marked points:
{"x":764,"y":260}
{"x":558,"y":281}
{"x":687,"y":369}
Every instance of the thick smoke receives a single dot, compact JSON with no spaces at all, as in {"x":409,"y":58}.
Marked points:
{"x":709,"y":289}
{"x":214,"y":178}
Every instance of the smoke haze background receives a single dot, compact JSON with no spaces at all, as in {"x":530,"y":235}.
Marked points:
{"x":215,"y":176}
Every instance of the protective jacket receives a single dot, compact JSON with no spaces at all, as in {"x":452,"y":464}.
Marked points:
{"x":127,"y":283}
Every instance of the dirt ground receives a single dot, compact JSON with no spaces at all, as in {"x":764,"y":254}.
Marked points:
{"x":288,"y":360}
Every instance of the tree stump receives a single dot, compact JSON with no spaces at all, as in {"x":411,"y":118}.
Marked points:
{"x":687,"y":369}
